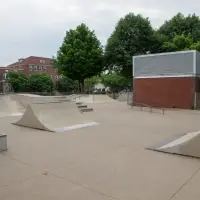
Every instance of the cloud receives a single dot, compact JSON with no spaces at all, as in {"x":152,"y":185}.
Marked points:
{"x":38,"y":27}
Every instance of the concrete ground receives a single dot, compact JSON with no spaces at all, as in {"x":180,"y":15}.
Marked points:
{"x":103,"y":162}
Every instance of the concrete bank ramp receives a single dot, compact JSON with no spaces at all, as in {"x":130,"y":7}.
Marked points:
{"x":187,"y":145}
{"x":54,"y":117}
{"x":95,"y":99}
{"x":26,"y":99}
{"x":8,"y":107}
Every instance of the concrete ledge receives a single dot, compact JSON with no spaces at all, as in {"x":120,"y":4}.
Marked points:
{"x":87,"y":110}
{"x":79,"y":103}
{"x":3,"y":142}
{"x":82,"y":106}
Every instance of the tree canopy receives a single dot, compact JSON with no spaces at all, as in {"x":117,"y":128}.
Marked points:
{"x":133,"y":35}
{"x":115,"y":82}
{"x":80,"y":55}
{"x":182,"y":25}
{"x":65,"y":84}
{"x":180,"y":43}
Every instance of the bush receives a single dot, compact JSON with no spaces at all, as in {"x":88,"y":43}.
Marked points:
{"x":40,"y":83}
{"x":18,"y":80}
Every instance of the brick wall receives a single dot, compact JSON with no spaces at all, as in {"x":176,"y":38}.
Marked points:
{"x":49,"y":70}
{"x":165,"y":92}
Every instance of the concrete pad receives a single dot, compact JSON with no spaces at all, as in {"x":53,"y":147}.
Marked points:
{"x":13,"y":171}
{"x":110,"y":159}
{"x":189,"y":190}
{"x":49,"y":187}
{"x":54,"y":117}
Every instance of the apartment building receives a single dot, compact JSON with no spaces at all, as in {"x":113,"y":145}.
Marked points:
{"x":35,"y":65}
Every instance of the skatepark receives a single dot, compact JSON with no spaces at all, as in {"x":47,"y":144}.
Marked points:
{"x":128,"y":154}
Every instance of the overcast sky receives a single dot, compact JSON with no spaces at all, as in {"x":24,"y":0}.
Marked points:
{"x":37,"y":27}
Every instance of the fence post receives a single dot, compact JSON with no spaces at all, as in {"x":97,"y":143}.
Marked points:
{"x":127,"y":97}
{"x":195,"y":100}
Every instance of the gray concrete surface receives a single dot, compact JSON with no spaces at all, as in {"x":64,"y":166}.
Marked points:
{"x":102,"y":162}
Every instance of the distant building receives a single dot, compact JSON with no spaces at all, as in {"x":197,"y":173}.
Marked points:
{"x":4,"y":72}
{"x":35,"y":65}
{"x":170,"y":80}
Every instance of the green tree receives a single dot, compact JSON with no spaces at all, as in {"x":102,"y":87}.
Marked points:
{"x":40,"y":83}
{"x":133,"y":35}
{"x":66,"y":84}
{"x":181,"y":43}
{"x":91,"y":82}
{"x":81,"y":55}
{"x":195,"y":46}
{"x":18,"y":80}
{"x":116,"y":82}
{"x":182,"y":25}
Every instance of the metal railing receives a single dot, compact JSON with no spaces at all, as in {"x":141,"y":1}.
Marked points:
{"x":151,"y":108}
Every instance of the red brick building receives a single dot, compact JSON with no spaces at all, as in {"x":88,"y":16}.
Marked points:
{"x":4,"y":71}
{"x":169,"y":80}
{"x":35,"y":65}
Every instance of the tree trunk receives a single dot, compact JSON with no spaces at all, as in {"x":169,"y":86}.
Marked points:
{"x":82,"y":86}
{"x":79,"y":86}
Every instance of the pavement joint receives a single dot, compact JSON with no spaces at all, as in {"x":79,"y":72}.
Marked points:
{"x":185,"y":183}
{"x":83,"y":186}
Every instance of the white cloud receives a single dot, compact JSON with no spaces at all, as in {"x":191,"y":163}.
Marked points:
{"x":37,"y":27}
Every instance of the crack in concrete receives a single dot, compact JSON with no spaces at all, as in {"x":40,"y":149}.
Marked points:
{"x":83,"y":186}
{"x":185,"y":183}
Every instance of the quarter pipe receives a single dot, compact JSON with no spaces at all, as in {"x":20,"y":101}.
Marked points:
{"x":187,"y":145}
{"x":54,"y":117}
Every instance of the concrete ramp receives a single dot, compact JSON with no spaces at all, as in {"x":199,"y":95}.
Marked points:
{"x":26,"y":99}
{"x":8,"y":107}
{"x":54,"y":117}
{"x":187,"y":145}
{"x":103,"y":98}
{"x":95,"y":99}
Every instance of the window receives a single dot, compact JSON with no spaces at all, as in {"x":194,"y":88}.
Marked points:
{"x":56,"y":77}
{"x":42,"y":61}
{"x":44,"y":68}
{"x":40,"y":68}
{"x":35,"y":68}
{"x":30,"y":68}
